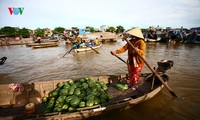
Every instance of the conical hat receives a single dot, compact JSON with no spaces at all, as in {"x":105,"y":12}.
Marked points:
{"x":136,"y":32}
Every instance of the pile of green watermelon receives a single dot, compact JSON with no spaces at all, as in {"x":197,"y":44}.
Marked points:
{"x":70,"y":95}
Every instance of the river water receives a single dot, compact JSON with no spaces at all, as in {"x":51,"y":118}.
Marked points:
{"x":25,"y":64}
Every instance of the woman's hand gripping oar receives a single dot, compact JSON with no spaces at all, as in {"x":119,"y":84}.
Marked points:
{"x":161,"y":80}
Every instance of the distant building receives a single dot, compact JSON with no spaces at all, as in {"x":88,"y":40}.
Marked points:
{"x":103,"y":28}
{"x":84,"y":31}
{"x":48,"y":32}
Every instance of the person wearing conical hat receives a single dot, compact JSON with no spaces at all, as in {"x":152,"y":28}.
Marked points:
{"x":135,"y":63}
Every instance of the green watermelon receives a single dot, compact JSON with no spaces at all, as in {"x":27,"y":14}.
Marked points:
{"x":45,"y":100}
{"x":71,"y":90}
{"x":82,"y":104}
{"x":82,"y":80}
{"x":64,"y":91}
{"x":60,"y":99}
{"x":74,"y":102}
{"x":85,"y":85}
{"x":121,"y":86}
{"x":57,"y":109}
{"x":89,"y":103}
{"x":71,"y":109}
{"x":71,"y":82}
{"x":65,"y":106}
{"x":77,"y":91}
{"x":60,"y":85}
{"x":96,"y":101}
{"x":68,"y":99}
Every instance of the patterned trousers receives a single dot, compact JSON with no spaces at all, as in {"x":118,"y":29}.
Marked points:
{"x":134,"y":73}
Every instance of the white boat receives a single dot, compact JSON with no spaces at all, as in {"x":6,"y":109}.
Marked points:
{"x":83,"y":49}
{"x":153,"y":40}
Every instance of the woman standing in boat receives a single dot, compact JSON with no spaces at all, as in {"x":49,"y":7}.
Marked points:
{"x":135,"y":63}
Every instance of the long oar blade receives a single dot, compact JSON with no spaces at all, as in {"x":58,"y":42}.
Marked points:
{"x":68,"y":52}
{"x":94,"y":50}
{"x":118,"y":57}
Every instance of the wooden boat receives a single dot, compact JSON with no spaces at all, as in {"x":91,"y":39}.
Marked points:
{"x":153,"y":40}
{"x":12,"y":103}
{"x":51,"y":40}
{"x":88,"y":48}
{"x":36,"y":44}
{"x":45,"y":45}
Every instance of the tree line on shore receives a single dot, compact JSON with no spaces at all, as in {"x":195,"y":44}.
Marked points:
{"x":9,"y":31}
{"x":165,"y":34}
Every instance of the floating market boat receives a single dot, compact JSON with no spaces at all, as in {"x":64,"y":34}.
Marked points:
{"x":51,"y":40}
{"x":14,"y":97}
{"x":45,"y":45}
{"x":153,"y":40}
{"x":84,"y":49}
{"x":36,"y":44}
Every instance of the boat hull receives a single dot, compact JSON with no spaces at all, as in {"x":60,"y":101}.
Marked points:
{"x":12,"y":103}
{"x":87,"y":48}
{"x":45,"y":45}
{"x":153,"y":40}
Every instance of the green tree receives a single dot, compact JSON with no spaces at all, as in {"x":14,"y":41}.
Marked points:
{"x":144,"y":30}
{"x":39,"y":32}
{"x":111,"y":29}
{"x":120,"y":29}
{"x":59,"y":30}
{"x":8,"y":31}
{"x":92,"y":30}
{"x":24,"y":33}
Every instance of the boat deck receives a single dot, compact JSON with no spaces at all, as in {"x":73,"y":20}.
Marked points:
{"x":120,"y":98}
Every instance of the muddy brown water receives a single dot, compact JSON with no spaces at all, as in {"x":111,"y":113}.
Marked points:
{"x":25,"y":64}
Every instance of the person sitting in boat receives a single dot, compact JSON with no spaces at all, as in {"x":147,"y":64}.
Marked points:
{"x":91,"y":42}
{"x":76,"y":45}
{"x":78,"y":39}
{"x":82,"y":44}
{"x":38,"y":39}
{"x":96,"y":41}
{"x":150,"y":34}
{"x":135,"y":63}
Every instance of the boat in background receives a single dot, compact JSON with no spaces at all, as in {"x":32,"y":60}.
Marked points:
{"x":51,"y":40}
{"x":45,"y":45}
{"x":84,"y":49}
{"x":153,"y":40}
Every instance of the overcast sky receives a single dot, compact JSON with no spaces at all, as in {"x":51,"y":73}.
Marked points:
{"x":81,"y":13}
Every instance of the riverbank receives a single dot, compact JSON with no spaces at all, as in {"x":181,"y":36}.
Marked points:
{"x":12,"y":41}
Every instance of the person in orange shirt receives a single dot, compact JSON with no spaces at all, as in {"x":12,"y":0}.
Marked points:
{"x":78,"y":38}
{"x":135,"y":63}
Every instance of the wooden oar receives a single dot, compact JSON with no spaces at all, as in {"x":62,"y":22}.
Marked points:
{"x":118,"y":57}
{"x":68,"y":51}
{"x":161,"y":80}
{"x":94,"y":49}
